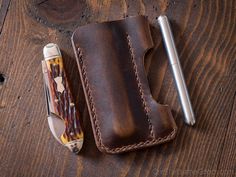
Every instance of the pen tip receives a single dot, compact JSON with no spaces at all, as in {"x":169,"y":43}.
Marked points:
{"x":162,"y":17}
{"x":191,"y":121}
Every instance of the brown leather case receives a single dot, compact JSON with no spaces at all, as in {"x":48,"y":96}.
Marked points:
{"x":110,"y":57}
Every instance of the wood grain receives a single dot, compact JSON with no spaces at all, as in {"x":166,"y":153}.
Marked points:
{"x":3,"y":11}
{"x":204,"y":32}
{"x":227,"y":164}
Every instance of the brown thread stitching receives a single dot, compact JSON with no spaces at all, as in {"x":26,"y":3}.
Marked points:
{"x":146,"y":110}
{"x":142,"y":144}
{"x":97,"y":129}
{"x":90,"y":99}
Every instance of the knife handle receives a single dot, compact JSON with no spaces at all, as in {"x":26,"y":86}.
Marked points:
{"x":61,"y":104}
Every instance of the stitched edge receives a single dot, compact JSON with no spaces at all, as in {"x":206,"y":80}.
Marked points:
{"x":144,"y":103}
{"x":90,"y":98}
{"x":143,"y":143}
{"x":97,"y":129}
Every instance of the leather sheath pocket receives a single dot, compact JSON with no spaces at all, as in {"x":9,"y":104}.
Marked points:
{"x":123,"y":114}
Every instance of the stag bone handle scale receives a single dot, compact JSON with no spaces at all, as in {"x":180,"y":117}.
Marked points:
{"x":63,"y":118}
{"x":176,"y":68}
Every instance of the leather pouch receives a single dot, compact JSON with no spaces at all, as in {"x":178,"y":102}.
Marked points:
{"x":123,"y":114}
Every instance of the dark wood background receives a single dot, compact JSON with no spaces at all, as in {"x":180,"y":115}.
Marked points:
{"x":205,"y":36}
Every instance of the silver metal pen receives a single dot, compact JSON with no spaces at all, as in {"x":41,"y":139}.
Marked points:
{"x":176,"y":68}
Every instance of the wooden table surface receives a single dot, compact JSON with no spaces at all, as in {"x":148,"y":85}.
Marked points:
{"x":205,"y":36}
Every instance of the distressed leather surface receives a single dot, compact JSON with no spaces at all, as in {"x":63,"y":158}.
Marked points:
{"x":110,"y":57}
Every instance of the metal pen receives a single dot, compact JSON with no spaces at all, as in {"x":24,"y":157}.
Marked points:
{"x":176,"y":69}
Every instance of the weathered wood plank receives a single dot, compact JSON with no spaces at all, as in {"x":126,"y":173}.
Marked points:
{"x":4,"y":4}
{"x":205,"y":36}
{"x":227,"y":163}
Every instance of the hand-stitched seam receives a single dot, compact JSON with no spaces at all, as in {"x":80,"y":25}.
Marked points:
{"x":144,"y":103}
{"x":143,"y":143}
{"x":89,"y":95}
{"x":94,"y":117}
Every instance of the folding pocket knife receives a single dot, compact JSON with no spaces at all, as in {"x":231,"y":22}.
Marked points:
{"x":63,"y":118}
